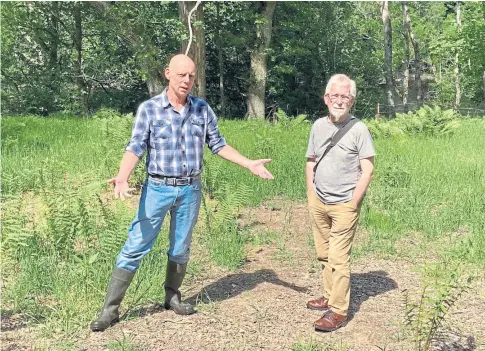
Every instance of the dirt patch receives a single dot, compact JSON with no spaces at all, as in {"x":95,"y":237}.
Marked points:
{"x":262,"y":304}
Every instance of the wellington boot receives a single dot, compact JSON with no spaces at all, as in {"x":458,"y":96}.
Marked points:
{"x":173,"y":281}
{"x":120,"y":281}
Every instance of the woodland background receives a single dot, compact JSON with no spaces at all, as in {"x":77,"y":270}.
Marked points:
{"x":74,"y":58}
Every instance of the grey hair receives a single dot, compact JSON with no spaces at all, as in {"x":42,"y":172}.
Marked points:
{"x":342,"y":79}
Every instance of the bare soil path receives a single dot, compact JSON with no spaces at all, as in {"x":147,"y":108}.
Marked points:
{"x":261,"y":306}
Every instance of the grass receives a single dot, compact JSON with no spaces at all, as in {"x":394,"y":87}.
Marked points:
{"x":61,"y":230}
{"x":313,"y":345}
{"x":124,"y":344}
{"x":433,"y":186}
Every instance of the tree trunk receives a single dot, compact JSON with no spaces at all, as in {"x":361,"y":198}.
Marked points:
{"x":457,"y":58}
{"x":405,"y":81}
{"x":220,"y":60}
{"x":150,"y":64}
{"x":417,"y":59}
{"x":388,"y":57}
{"x":197,"y":48}
{"x":154,"y":81}
{"x":78,"y":44}
{"x":258,"y":74}
{"x":48,"y":40}
{"x":483,"y":8}
{"x":54,"y":46}
{"x":484,"y":86}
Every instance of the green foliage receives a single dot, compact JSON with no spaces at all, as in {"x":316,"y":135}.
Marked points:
{"x":124,"y":344}
{"x":429,"y":121}
{"x":16,"y":233}
{"x":67,"y":219}
{"x":126,"y":45}
{"x":443,"y":283}
{"x":106,"y":113}
{"x":225,"y":242}
{"x":313,"y":345}
{"x":211,"y":178}
{"x":285,"y":121}
{"x":61,"y":230}
{"x":416,"y":183}
{"x":110,"y":233}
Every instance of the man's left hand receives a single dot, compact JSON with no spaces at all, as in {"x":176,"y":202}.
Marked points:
{"x":257,"y":168}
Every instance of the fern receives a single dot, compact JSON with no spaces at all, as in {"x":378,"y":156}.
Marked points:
{"x":110,"y":237}
{"x":68,"y":218}
{"x":230,"y":204}
{"x":83,"y":226}
{"x":15,"y":233}
{"x":427,"y":120}
{"x":225,"y":244}
{"x":288,"y":122}
{"x":442,"y":286}
{"x":211,"y":178}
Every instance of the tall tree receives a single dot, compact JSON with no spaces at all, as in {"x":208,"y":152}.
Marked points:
{"x":405,"y":81}
{"x":132,"y":36}
{"x":483,"y":85}
{"x":388,"y":57}
{"x":46,"y":32}
{"x":417,"y":57}
{"x":220,"y":61}
{"x":483,"y":77}
{"x":84,"y":90}
{"x":197,"y":48}
{"x":457,"y":57}
{"x":259,"y":71}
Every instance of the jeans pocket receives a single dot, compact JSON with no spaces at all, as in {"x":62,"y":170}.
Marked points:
{"x":196,"y":185}
{"x":155,"y":182}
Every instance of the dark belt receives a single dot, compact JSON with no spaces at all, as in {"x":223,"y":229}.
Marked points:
{"x":175,"y":181}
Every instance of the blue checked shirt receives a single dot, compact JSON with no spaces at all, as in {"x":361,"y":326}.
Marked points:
{"x":175,"y":141}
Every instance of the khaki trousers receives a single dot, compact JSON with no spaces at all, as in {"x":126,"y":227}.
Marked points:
{"x":333,"y":231}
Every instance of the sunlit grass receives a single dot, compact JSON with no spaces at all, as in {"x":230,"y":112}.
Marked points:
{"x":428,"y":188}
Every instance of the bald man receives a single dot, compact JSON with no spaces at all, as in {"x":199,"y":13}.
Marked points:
{"x":172,"y":128}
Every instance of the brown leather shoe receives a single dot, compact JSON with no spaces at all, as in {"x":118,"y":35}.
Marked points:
{"x":330,"y":321}
{"x":320,"y":304}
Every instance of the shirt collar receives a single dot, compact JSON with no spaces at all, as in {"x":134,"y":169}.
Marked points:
{"x":165,"y":102}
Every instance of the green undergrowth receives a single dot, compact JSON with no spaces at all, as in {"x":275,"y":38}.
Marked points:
{"x":61,"y":229}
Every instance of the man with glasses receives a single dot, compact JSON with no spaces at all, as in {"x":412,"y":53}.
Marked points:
{"x":172,"y":128}
{"x":337,"y":178}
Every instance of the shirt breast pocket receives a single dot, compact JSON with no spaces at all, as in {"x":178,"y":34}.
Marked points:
{"x":161,"y":130}
{"x":197,"y":126}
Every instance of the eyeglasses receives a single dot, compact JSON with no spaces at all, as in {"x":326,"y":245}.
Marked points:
{"x":343,"y":98}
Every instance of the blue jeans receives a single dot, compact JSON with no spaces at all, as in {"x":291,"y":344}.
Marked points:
{"x":156,"y":200}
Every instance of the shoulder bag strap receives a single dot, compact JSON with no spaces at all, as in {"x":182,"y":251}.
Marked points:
{"x":336,"y":138}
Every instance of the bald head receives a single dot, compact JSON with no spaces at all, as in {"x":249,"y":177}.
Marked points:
{"x":181,"y":60}
{"x":181,"y":75}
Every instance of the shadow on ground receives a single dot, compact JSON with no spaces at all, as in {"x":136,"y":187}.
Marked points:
{"x":13,"y":322}
{"x":365,"y":285}
{"x":235,"y":284}
{"x":222,"y":289}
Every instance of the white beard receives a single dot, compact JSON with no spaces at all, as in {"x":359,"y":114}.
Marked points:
{"x":339,"y":115}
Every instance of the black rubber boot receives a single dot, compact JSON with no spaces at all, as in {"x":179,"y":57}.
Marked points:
{"x":173,"y":281}
{"x":120,"y":281}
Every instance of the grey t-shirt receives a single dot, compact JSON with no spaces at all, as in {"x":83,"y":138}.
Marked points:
{"x":339,"y":171}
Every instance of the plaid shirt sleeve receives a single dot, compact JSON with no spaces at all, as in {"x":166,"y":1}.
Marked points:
{"x":140,"y":132}
{"x":214,"y":139}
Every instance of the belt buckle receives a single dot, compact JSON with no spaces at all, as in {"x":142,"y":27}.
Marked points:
{"x":183,"y":181}
{"x":171,"y":181}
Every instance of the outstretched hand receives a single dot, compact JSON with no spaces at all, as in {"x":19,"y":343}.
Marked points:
{"x":122,"y":189}
{"x":257,"y":168}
